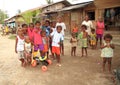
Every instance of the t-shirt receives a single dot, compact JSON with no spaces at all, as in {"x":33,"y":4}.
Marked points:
{"x":30,"y":33}
{"x":63,"y":26}
{"x":57,"y":37}
{"x":89,"y":25}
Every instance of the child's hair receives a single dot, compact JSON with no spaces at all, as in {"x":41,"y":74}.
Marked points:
{"x":23,"y":25}
{"x":31,"y":24}
{"x":59,"y":27}
{"x":84,"y":26}
{"x":37,"y":22}
{"x":92,"y":30}
{"x":108,"y":36}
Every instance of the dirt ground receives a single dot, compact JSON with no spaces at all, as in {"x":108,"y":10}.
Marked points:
{"x":74,"y":70}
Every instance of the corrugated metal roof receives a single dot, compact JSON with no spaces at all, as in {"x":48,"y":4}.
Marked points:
{"x":75,"y":6}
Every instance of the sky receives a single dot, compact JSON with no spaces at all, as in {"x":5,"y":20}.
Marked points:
{"x":12,"y":6}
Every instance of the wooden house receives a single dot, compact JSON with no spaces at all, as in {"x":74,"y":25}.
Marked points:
{"x":110,"y":11}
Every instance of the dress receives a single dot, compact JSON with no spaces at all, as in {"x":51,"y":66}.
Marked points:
{"x":74,"y":42}
{"x":107,"y":52}
{"x":92,"y":39}
{"x":83,"y":41}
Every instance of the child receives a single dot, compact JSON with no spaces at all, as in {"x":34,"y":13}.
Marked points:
{"x":107,"y":51}
{"x":30,"y":31}
{"x":45,"y":41}
{"x":83,"y":37}
{"x":28,"y":49}
{"x":24,"y":29}
{"x":93,"y":39}
{"x":56,"y":41}
{"x":73,"y":42}
{"x":75,"y":29}
{"x":37,"y":39}
{"x":19,"y":46}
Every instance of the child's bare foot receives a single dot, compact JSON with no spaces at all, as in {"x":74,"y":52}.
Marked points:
{"x":59,"y":64}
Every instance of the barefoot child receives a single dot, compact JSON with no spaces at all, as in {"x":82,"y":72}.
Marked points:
{"x":73,"y":42}
{"x":19,"y":46}
{"x":45,"y":40}
{"x":56,"y":41}
{"x":107,"y":51}
{"x":93,"y":39}
{"x":84,"y":38}
{"x":28,"y":49}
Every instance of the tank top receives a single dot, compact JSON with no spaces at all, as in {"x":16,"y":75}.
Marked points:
{"x":100,"y":27}
{"x":28,"y":47}
{"x":20,"y":44}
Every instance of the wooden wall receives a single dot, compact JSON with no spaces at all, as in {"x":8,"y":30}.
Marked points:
{"x":107,"y":3}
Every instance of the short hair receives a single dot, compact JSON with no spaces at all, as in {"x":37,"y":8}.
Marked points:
{"x":92,"y":30}
{"x":37,"y":22}
{"x":108,"y":36}
{"x":84,"y":26}
{"x":59,"y":26}
{"x":31,"y":24}
{"x":23,"y":25}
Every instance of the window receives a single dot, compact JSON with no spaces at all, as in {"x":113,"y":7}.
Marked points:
{"x":91,"y":15}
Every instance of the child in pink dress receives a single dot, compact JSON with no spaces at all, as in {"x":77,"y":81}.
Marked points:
{"x":99,"y":30}
{"x":37,"y":39}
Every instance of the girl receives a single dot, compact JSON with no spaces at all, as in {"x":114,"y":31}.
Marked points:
{"x":107,"y":51}
{"x":37,"y":39}
{"x":75,"y":29}
{"x":73,"y":42}
{"x":30,"y":31}
{"x":100,"y":29}
{"x":28,"y":49}
{"x":83,"y":37}
{"x":93,"y":39}
{"x":19,"y":46}
{"x":56,"y":41}
{"x":45,"y":41}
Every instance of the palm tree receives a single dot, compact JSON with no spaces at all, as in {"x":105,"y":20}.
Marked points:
{"x":49,"y":1}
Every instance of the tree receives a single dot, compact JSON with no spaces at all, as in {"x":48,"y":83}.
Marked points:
{"x":49,"y":1}
{"x":3,"y":16}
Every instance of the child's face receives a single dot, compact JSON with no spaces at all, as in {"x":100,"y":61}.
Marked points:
{"x":43,"y":34}
{"x":27,"y":40}
{"x":31,"y":26}
{"x":107,"y":40}
{"x":37,"y":25}
{"x":59,"y":29}
{"x":20,"y":32}
{"x":83,"y":29}
{"x":93,"y":32}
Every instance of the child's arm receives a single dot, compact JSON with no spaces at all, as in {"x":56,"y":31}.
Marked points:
{"x":16,"y":45}
{"x":112,"y":46}
{"x":71,"y":40}
{"x":103,"y":46}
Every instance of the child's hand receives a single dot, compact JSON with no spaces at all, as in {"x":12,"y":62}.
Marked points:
{"x":15,"y":51}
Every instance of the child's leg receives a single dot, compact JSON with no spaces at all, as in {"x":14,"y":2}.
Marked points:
{"x":100,"y":40}
{"x":58,"y":58}
{"x":109,"y":64}
{"x":74,"y":51}
{"x":86,"y":51}
{"x":104,"y":62}
{"x":82,"y":51}
{"x":62,"y":48}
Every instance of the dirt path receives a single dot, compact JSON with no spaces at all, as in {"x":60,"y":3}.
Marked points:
{"x":74,"y":70}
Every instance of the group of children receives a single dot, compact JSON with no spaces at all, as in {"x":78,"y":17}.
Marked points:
{"x":42,"y":37}
{"x":39,"y":37}
{"x":85,"y":39}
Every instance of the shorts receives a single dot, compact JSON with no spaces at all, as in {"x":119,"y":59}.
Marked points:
{"x":45,"y":48}
{"x":99,"y":35}
{"x":39,"y":47}
{"x":21,"y":55}
{"x":56,"y":50}
{"x":92,"y":42}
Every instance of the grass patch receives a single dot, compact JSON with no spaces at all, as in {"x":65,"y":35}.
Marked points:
{"x":12,"y":37}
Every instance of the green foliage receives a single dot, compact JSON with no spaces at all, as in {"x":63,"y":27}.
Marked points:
{"x":49,"y":1}
{"x":29,"y":16}
{"x":3,"y":16}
